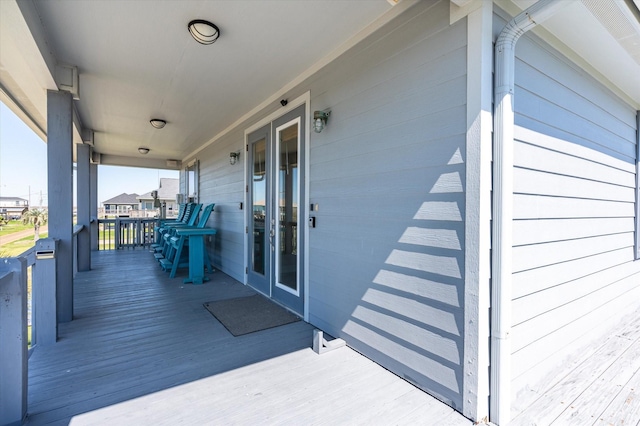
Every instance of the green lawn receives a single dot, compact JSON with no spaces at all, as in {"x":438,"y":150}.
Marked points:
{"x":13,"y":226}
{"x":17,"y":247}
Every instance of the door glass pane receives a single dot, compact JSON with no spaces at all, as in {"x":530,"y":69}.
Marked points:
{"x":288,"y":206}
{"x":259,"y":196}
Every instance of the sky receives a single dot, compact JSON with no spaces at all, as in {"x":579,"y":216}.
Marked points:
{"x":23,"y":167}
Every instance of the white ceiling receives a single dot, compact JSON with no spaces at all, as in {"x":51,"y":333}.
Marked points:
{"x":137,"y":61}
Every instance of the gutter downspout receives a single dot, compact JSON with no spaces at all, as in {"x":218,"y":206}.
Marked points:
{"x":502,"y":229}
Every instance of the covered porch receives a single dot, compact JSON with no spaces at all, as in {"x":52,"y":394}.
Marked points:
{"x":383,"y":227}
{"x":142,"y":349}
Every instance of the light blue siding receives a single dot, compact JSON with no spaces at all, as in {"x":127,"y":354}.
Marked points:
{"x":386,"y":265}
{"x":386,"y":259}
{"x":574,"y":274}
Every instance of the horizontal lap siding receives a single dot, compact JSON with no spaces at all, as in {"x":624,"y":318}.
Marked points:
{"x":223,"y":184}
{"x":574,"y":273}
{"x":388,"y":175}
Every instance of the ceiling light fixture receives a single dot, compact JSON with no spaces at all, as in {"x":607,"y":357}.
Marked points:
{"x":142,"y":150}
{"x":157,"y":123}
{"x":204,"y":32}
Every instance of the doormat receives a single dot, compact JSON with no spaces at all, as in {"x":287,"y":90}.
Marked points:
{"x":244,"y":315}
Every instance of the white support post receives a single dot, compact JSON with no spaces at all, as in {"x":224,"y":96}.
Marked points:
{"x":475,"y":398}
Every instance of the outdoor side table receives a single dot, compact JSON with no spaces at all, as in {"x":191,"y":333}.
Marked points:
{"x":196,"y":252}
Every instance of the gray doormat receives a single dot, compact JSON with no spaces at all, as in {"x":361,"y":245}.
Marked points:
{"x":244,"y":315}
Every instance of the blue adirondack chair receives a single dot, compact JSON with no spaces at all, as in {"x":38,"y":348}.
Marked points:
{"x":188,"y":219}
{"x":173,"y":247}
{"x":161,"y":250}
{"x":181,"y":212}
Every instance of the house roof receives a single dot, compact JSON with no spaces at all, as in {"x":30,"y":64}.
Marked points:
{"x":12,"y":199}
{"x":123,"y":199}
{"x":167,"y":190}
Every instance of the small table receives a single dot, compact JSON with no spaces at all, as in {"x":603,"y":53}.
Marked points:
{"x":196,"y":252}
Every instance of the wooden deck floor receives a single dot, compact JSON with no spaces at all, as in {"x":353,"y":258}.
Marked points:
{"x":600,"y":387}
{"x":143,"y":350}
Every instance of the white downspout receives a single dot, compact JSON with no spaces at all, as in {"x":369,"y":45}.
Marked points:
{"x":502,"y":232}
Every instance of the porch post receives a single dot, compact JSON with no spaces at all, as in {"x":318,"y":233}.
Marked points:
{"x":60,"y":189}
{"x":83,"y":201}
{"x":93,"y":204}
{"x":13,"y":341}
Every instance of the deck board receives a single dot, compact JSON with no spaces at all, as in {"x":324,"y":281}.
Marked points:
{"x":143,"y":350}
{"x":601,"y":389}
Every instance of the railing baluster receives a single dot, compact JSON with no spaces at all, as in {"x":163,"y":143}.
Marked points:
{"x":126,"y":232}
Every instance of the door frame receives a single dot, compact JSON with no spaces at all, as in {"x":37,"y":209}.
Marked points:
{"x":304,"y":99}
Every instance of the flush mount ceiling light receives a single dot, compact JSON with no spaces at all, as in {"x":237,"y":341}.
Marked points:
{"x":204,"y":32}
{"x":142,"y":150}
{"x":157,"y":123}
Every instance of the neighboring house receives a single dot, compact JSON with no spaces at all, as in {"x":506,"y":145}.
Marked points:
{"x":166,"y":193}
{"x":442,"y":239}
{"x":12,"y":207}
{"x":120,"y":205}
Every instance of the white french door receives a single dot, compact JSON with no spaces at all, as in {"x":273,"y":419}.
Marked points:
{"x":275,"y":176}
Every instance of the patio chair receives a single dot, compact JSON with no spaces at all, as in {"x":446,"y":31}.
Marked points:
{"x":188,"y":219}
{"x":164,"y":251}
{"x":176,"y":253}
{"x":181,"y":212}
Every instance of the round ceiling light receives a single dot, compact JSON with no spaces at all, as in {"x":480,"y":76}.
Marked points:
{"x":203,"y":32}
{"x":142,"y":150}
{"x":157,"y":123}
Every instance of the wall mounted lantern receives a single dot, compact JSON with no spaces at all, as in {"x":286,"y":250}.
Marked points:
{"x":320,"y":120}
{"x":157,"y":123}
{"x":204,"y":32}
{"x":233,"y":157}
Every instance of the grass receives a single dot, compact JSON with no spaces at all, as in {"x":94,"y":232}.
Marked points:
{"x":13,"y":226}
{"x":17,"y":247}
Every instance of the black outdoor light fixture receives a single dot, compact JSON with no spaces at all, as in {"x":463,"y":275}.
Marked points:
{"x":157,"y":123}
{"x":204,"y":32}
